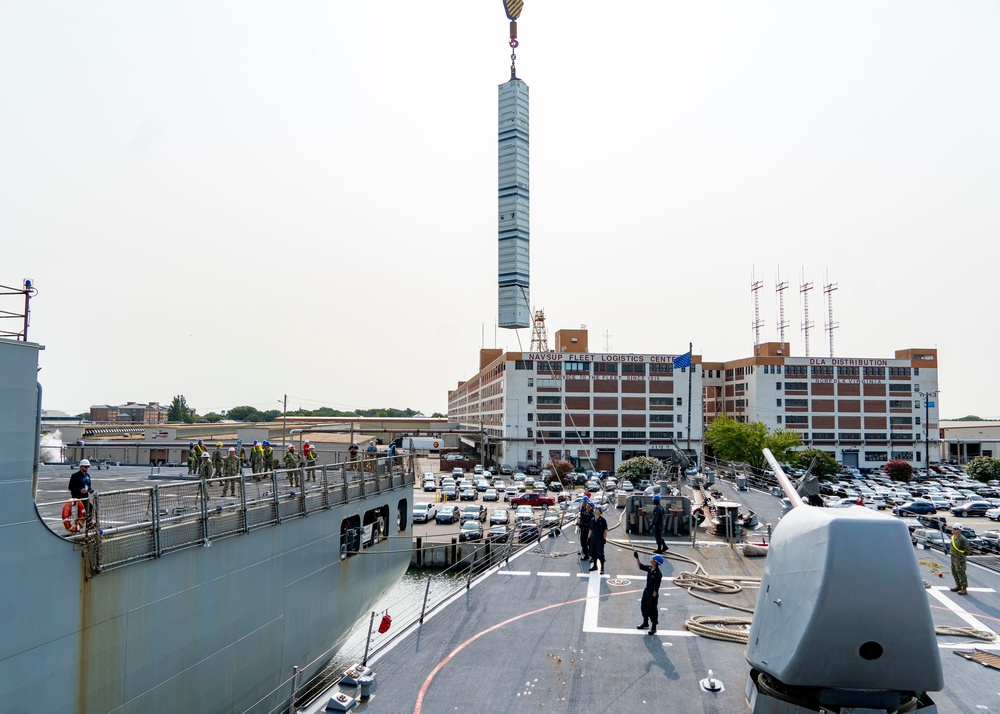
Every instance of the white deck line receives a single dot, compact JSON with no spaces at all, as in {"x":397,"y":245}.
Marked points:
{"x":959,"y":610}
{"x":590,"y":613}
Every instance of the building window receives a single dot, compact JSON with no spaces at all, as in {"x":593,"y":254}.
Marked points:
{"x":778,"y":386}
{"x":778,"y":418}
{"x":613,"y":435}
{"x":523,"y":364}
{"x":900,"y":388}
{"x":661,"y":435}
{"x":530,"y":398}
{"x":916,"y":371}
{"x":633,"y":435}
{"x":578,"y":366}
{"x":824,"y":436}
{"x":874,"y":436}
{"x":661,"y":418}
{"x":778,"y":402}
{"x":680,"y":435}
{"x":796,"y":403}
{"x":796,"y":419}
{"x":798,"y":386}
{"x":900,"y":421}
{"x":679,"y":418}
{"x":531,"y":417}
{"x":606,"y":367}
{"x":680,"y":401}
{"x":916,"y":420}
{"x":545,"y":399}
{"x":661,"y":401}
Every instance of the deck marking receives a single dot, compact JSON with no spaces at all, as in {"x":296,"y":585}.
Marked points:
{"x":552,"y":575}
{"x":959,"y":610}
{"x":430,"y":677}
{"x":513,"y":572}
{"x":593,"y":605}
{"x":971,"y":590}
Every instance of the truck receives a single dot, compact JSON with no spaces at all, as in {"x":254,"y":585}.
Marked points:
{"x":420,"y":443}
{"x":533,"y":499}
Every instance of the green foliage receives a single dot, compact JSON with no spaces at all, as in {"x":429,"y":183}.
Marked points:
{"x":439,"y":415}
{"x":984,"y":468}
{"x":898,"y":470}
{"x":969,"y":417}
{"x":826,"y":465}
{"x":640,"y":467}
{"x":212,"y":417}
{"x":180,"y":411}
{"x":735,"y":441}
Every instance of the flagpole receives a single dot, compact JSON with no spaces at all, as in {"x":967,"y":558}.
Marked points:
{"x":690,"y":371}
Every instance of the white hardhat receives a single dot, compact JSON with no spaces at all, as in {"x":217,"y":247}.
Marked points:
{"x":232,"y":449}
{"x":84,"y":462}
{"x":204,"y":454}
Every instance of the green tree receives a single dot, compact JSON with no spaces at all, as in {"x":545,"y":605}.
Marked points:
{"x":212,"y":417}
{"x":826,"y":465}
{"x":439,"y":415}
{"x":984,"y":468}
{"x":244,"y":413}
{"x":899,"y":470}
{"x":640,"y":467}
{"x":735,"y":441}
{"x":180,"y":411}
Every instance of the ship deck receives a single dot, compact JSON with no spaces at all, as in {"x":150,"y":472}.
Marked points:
{"x":545,"y":634}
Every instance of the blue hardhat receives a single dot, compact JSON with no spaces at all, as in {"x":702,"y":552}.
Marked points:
{"x":658,"y":559}
{"x":190,"y":443}
{"x":656,"y":497}
{"x":586,"y":500}
{"x":266,"y":442}
{"x":601,"y":509}
{"x":255,"y":442}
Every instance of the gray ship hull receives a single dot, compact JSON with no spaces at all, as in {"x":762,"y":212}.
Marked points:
{"x":216,"y":627}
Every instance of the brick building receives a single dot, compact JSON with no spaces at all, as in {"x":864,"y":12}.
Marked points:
{"x":129,"y":413}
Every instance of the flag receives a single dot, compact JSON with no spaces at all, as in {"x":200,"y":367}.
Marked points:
{"x":683,"y":360}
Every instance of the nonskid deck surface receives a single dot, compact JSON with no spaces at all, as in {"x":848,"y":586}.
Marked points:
{"x":545,"y":634}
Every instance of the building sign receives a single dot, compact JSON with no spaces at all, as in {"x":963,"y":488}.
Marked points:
{"x":591,"y":357}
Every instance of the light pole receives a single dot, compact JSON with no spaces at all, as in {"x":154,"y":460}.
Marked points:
{"x":927,"y":414}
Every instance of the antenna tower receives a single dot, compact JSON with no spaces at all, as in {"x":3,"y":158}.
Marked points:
{"x":807,"y":324}
{"x":780,"y":287}
{"x":829,"y":289}
{"x":607,"y":341}
{"x":539,"y":333}
{"x":755,"y":287}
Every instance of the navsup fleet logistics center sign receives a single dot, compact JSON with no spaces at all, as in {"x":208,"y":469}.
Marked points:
{"x":574,"y":359}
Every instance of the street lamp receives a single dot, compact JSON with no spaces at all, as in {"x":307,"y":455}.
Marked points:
{"x":927,"y":414}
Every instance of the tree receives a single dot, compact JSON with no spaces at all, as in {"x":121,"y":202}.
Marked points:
{"x":984,"y":468}
{"x":212,"y":417}
{"x":560,"y":469}
{"x":180,"y":411}
{"x":899,"y":470}
{"x":826,"y":465}
{"x":439,"y":415}
{"x":244,"y":413}
{"x":640,"y":467}
{"x":735,"y":441}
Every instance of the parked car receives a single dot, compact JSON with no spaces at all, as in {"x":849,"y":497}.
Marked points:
{"x":477,"y":469}
{"x":971,"y":508}
{"x":554,"y":486}
{"x":915,"y":508}
{"x":447,"y":514}
{"x":928,"y":537}
{"x":470,"y":530}
{"x":579,"y":479}
{"x":498,"y":534}
{"x":506,"y":470}
{"x":473,"y":513}
{"x":527,"y":532}
{"x":449,"y":493}
{"x":993,"y":514}
{"x":458,"y":472}
{"x":430,"y":485}
{"x":510,"y":492}
{"x":481,"y":484}
{"x":523,"y":514}
{"x":424,"y":512}
{"x":491,"y":494}
{"x":992,"y":540}
{"x":469,"y":494}
{"x":499,"y":517}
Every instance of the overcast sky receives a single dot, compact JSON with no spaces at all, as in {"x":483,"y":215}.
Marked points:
{"x":240,"y":200}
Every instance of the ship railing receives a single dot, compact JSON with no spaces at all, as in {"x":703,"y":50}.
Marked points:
{"x":130,"y":525}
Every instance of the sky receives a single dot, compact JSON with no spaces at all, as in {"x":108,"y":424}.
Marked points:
{"x":237,"y":201}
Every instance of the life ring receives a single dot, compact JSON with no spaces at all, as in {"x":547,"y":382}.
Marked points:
{"x":437,"y":444}
{"x":73,"y":521}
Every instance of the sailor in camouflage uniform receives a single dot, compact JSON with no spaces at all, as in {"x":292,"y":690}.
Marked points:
{"x":205,"y":471}
{"x":217,"y":459}
{"x":256,"y":459}
{"x":230,"y":468}
{"x":292,"y":464}
{"x":192,"y":459}
{"x":959,"y":549}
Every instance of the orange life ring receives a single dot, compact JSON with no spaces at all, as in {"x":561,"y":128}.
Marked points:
{"x":437,"y":444}
{"x":72,"y":522}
